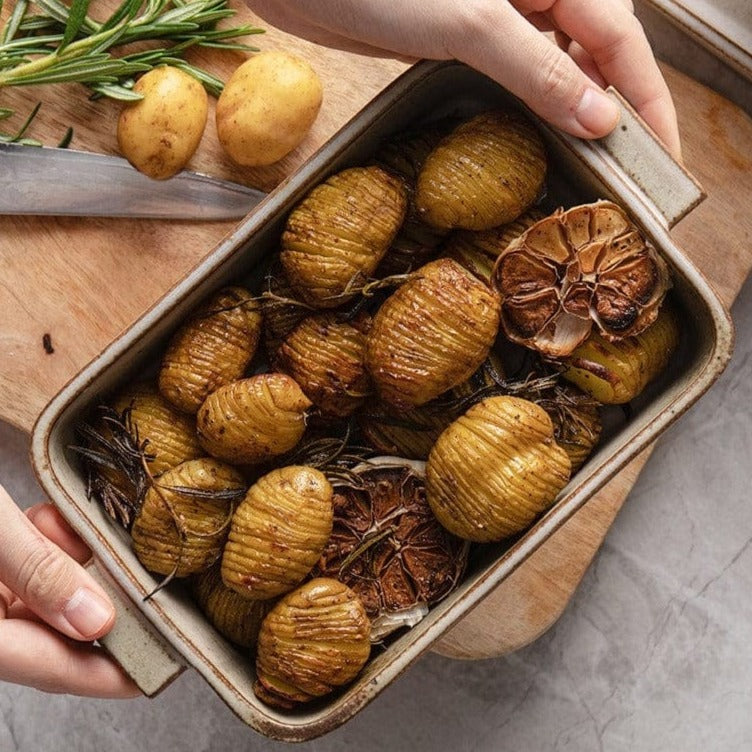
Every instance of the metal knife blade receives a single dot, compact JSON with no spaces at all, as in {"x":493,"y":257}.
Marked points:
{"x":63,"y":182}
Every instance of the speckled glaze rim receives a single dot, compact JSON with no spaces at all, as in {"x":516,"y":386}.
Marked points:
{"x":111,"y":550}
{"x":720,"y":41}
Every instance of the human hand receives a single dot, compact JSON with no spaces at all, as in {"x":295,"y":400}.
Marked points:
{"x":51,"y":609}
{"x":597,"y":43}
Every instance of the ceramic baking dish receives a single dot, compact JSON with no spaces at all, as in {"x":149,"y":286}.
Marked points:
{"x":156,"y":639}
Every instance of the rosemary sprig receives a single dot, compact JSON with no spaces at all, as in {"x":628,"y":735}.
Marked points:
{"x":64,"y":44}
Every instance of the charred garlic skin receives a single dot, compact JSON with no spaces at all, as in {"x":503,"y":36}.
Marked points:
{"x":587,"y":265}
{"x":485,"y":173}
{"x":614,"y":373}
{"x":233,"y":616}
{"x":431,"y":334}
{"x":495,"y":469}
{"x":326,"y":356}
{"x":211,"y":349}
{"x":177,"y":532}
{"x":337,"y":235}
{"x":317,"y":638}
{"x":278,"y":532}
{"x":171,"y":435}
{"x":253,"y":420}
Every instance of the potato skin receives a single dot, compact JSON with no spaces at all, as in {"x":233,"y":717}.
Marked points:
{"x":315,"y":639}
{"x":267,"y":107}
{"x":431,"y":334}
{"x":158,"y":543}
{"x":495,"y":469}
{"x":278,"y":532}
{"x":252,"y":420}
{"x":171,"y":434}
{"x":485,"y":173}
{"x":159,"y":134}
{"x":212,"y":348}
{"x":340,"y":232}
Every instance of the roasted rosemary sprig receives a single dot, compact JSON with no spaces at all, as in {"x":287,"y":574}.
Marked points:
{"x":63,"y":44}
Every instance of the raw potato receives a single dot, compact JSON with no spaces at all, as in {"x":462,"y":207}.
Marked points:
{"x":266,"y":108}
{"x":159,"y":134}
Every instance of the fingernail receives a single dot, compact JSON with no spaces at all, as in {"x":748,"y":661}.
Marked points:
{"x":87,"y":612}
{"x":596,"y":112}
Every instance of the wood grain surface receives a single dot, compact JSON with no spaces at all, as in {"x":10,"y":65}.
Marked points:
{"x":83,"y":281}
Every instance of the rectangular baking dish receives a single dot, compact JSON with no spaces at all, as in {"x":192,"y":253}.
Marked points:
{"x":156,"y":639}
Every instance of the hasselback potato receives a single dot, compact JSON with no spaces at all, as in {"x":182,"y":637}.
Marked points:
{"x":212,"y":348}
{"x":616,"y":372}
{"x":315,"y":639}
{"x":253,"y":420}
{"x":325,"y":356}
{"x":337,"y":235}
{"x":278,"y":532}
{"x":171,"y":435}
{"x":235,"y":617}
{"x":431,"y":334}
{"x":485,"y":173}
{"x":183,"y":521}
{"x":495,"y":469}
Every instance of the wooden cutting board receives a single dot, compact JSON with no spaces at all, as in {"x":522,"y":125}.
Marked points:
{"x":83,"y":281}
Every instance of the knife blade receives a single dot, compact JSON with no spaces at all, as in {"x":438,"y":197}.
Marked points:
{"x":41,"y":180}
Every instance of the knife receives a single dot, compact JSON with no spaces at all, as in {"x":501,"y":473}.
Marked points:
{"x":46,"y":180}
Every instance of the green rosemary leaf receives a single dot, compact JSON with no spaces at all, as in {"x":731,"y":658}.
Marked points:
{"x":116,"y":91}
{"x":5,"y":113}
{"x":125,"y":11}
{"x":14,"y":22}
{"x":24,"y":127}
{"x":211,"y":83}
{"x":65,"y":141}
{"x":76,"y":19}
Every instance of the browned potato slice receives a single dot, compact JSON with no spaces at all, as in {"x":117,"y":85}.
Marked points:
{"x":278,"y":532}
{"x":315,"y":639}
{"x":495,"y":469}
{"x":485,"y":173}
{"x":326,"y":357}
{"x":339,"y":232}
{"x":431,"y":334}
{"x":253,"y":420}
{"x":212,"y":348}
{"x":183,"y":522}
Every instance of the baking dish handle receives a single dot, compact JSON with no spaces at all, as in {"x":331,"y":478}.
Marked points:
{"x":134,"y":643}
{"x":637,"y":151}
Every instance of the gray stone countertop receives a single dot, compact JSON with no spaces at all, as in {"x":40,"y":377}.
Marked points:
{"x":653,"y":653}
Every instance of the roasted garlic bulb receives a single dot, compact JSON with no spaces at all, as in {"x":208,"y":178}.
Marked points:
{"x":183,"y":521}
{"x":278,"y":532}
{"x":616,"y":372}
{"x":587,"y":265}
{"x":252,"y":420}
{"x":485,"y":173}
{"x":337,"y":235}
{"x":235,"y":617}
{"x":495,"y":469}
{"x":315,"y":639}
{"x":325,"y":356}
{"x":388,"y":546}
{"x":171,"y":435}
{"x":213,"y":348}
{"x":431,"y":334}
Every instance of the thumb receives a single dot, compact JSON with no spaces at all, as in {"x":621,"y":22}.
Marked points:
{"x":501,"y":43}
{"x":47,"y":580}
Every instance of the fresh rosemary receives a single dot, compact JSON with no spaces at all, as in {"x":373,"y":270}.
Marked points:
{"x":49,"y":42}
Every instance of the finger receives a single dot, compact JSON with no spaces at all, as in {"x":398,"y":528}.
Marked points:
{"x":48,"y":520}
{"x":616,"y":41}
{"x":503,"y":45}
{"x":36,"y":656}
{"x":49,"y":581}
{"x":585,"y":63}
